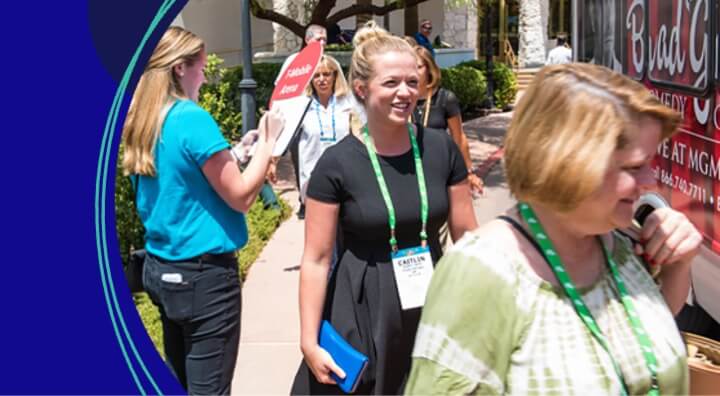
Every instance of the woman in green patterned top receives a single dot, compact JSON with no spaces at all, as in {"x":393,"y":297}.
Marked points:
{"x":550,"y":298}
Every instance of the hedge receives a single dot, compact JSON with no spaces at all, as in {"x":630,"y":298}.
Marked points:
{"x":468,"y":84}
{"x":505,"y":81}
{"x":222,"y":98}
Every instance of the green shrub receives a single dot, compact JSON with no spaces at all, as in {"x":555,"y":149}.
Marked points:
{"x":150,"y":317}
{"x":467,"y":83}
{"x":338,"y":47}
{"x":262,"y":223}
{"x":504,"y":79}
{"x":130,"y":230}
{"x":220,"y":96}
{"x":264,"y":75}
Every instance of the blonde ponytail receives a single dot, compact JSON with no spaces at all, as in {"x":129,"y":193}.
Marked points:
{"x":157,"y":89}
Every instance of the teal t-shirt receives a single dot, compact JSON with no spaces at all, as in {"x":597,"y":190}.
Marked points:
{"x":183,"y":216}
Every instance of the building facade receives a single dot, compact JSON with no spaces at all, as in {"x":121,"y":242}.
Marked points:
{"x":527,"y":27}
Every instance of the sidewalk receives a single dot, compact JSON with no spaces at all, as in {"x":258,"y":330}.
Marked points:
{"x":483,"y":134}
{"x":269,"y":351}
{"x":269,"y":345}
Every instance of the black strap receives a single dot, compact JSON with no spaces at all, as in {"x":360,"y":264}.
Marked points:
{"x":524,"y":232}
{"x":532,"y":240}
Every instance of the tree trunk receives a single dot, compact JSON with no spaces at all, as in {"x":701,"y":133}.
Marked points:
{"x":321,"y":13}
{"x":386,"y":19}
{"x":411,"y":20}
{"x":360,"y":19}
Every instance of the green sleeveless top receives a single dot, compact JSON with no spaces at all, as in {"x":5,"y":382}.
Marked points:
{"x":491,"y":325}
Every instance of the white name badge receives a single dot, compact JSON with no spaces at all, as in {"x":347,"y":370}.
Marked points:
{"x":413,"y":269}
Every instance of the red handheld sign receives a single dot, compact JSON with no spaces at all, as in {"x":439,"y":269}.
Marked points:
{"x":298,"y":74}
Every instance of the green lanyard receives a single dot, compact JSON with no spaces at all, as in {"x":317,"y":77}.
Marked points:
{"x":386,"y":194}
{"x":582,"y":310}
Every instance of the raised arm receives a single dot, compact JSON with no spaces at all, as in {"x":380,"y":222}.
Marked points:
{"x":240,"y":189}
{"x":672,"y":242}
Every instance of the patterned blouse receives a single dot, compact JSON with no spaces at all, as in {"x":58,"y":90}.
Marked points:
{"x":491,"y":325}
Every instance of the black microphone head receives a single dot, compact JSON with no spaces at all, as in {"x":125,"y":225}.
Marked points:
{"x":645,"y":205}
{"x":642,"y":213}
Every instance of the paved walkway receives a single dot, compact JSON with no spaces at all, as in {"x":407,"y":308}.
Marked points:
{"x":269,"y":345}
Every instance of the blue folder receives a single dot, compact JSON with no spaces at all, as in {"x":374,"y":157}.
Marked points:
{"x":345,"y":356}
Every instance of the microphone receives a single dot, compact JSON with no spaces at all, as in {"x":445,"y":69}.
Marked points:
{"x":642,"y":209}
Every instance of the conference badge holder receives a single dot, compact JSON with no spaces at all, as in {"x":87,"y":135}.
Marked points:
{"x":413,"y":270}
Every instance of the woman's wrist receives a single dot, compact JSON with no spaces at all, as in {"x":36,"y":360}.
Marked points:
{"x":265,"y":146}
{"x":672,"y":275}
{"x":307,"y":346}
{"x":673,"y":269}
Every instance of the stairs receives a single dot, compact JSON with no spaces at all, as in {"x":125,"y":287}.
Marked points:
{"x":524,"y":77}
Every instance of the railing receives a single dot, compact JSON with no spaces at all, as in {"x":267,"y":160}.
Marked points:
{"x":510,"y":57}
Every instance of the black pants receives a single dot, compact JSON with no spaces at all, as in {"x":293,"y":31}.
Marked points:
{"x":199,"y":305}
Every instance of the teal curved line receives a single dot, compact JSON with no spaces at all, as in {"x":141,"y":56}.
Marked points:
{"x":105,"y":158}
{"x":101,"y":229}
{"x":161,"y":13}
{"x":103,"y":259}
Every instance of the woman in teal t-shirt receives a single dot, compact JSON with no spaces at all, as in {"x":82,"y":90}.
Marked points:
{"x":191,"y":197}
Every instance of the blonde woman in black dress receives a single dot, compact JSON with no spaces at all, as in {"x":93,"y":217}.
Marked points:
{"x":392,"y":167}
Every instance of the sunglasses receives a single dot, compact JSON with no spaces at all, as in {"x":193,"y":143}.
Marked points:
{"x":427,"y":27}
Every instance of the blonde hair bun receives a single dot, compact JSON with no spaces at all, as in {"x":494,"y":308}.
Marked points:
{"x":370,"y":30}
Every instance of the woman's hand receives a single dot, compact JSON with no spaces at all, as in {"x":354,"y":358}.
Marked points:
{"x":668,"y":241}
{"x":476,"y":184}
{"x":243,"y":150}
{"x":321,"y":364}
{"x":668,"y":238}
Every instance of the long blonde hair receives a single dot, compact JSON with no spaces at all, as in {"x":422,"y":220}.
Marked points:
{"x":566,"y":127}
{"x":158,"y":87}
{"x":340,"y":87}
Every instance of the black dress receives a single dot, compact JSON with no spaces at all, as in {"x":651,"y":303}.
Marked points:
{"x":443,"y":105}
{"x":362,"y":301}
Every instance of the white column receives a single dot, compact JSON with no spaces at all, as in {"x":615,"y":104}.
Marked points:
{"x":532,"y":32}
{"x":460,"y":26}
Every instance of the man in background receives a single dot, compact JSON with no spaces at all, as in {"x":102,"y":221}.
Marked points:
{"x":423,"y":36}
{"x":560,"y":54}
{"x":312,"y":33}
